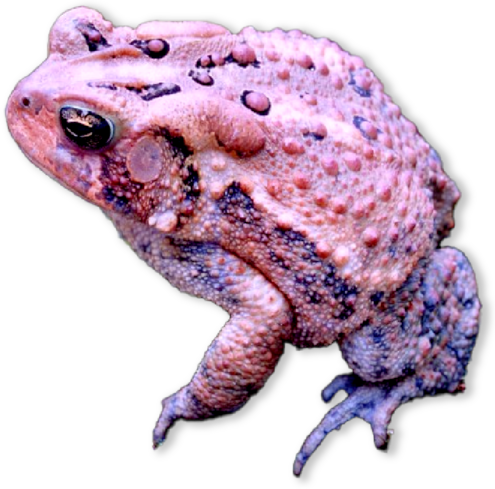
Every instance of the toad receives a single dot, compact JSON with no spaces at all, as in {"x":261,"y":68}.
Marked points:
{"x":269,"y":173}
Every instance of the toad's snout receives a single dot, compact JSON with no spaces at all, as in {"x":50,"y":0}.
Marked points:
{"x":30,"y":118}
{"x":34,"y":122}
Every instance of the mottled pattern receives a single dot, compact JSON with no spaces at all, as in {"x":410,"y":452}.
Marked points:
{"x":269,"y":173}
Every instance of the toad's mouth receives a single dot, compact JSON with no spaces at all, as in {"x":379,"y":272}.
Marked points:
{"x":68,"y":171}
{"x":47,"y":171}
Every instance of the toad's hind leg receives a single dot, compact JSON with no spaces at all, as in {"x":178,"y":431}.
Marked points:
{"x":435,"y":341}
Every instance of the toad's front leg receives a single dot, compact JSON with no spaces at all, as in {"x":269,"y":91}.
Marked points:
{"x":244,"y":354}
{"x":240,"y":359}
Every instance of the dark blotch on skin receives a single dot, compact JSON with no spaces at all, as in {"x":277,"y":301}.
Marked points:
{"x":194,"y":248}
{"x":408,"y":369}
{"x":296,"y":241}
{"x":202,"y":78}
{"x":345,"y":313}
{"x":339,"y":288}
{"x":143,"y":46}
{"x":378,"y":335}
{"x":190,"y":176}
{"x":309,"y":285}
{"x":380,"y":371}
{"x":93,"y":37}
{"x":315,"y":286}
{"x":359,"y":90}
{"x":314,"y":135}
{"x":145,"y":247}
{"x":108,"y":86}
{"x":208,"y":65}
{"x":357,"y":121}
{"x":235,"y":203}
{"x":244,"y":96}
{"x":341,"y":291}
{"x":150,"y":92}
{"x":377,"y":297}
{"x":196,"y":254}
{"x":178,"y":145}
{"x":114,"y":191}
{"x":231,"y":59}
{"x":119,"y":203}
{"x":279,"y":261}
{"x":191,"y":183}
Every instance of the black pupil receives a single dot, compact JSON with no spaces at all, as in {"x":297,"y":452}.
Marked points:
{"x":85,"y":128}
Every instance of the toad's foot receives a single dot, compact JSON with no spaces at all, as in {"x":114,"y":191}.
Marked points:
{"x":373,"y":403}
{"x":167,"y":418}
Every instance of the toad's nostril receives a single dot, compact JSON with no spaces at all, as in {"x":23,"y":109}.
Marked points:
{"x":26,"y":101}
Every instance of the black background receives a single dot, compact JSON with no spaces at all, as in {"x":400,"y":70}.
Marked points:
{"x":93,"y":338}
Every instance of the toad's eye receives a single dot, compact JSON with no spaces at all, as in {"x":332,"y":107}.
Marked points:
{"x":87,"y":129}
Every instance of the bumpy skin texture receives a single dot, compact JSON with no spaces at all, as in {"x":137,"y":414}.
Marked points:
{"x":269,"y":173}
